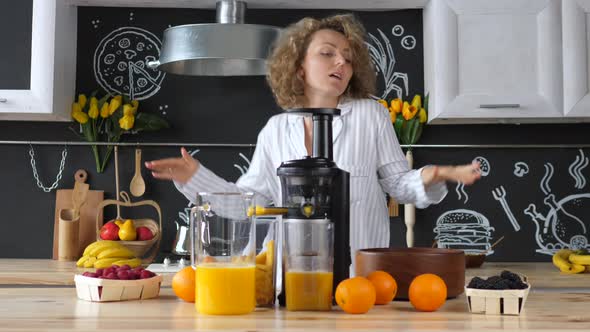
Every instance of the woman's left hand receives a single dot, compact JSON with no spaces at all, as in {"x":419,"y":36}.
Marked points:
{"x":466,"y":174}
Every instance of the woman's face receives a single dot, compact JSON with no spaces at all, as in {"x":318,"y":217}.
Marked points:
{"x":327,"y":67}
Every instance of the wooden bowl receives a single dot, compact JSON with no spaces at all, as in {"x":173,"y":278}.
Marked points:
{"x":474,"y":260}
{"x":404,"y":264}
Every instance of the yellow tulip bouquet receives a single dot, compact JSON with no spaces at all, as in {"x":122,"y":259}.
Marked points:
{"x":107,"y":119}
{"x":408,"y":118}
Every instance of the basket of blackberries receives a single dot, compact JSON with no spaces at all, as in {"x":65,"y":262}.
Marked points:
{"x":504,"y":294}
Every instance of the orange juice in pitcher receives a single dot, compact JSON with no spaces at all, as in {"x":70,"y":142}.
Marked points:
{"x":309,"y":290}
{"x":225,"y":289}
{"x":224,"y":248}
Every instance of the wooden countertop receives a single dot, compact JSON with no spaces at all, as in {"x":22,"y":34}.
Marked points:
{"x":38,"y":294}
{"x":54,"y":273}
{"x":58,"y":309}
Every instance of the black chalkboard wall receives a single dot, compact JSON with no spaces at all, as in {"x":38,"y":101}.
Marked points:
{"x":233,"y":110}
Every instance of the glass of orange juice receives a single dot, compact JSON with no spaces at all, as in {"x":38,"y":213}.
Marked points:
{"x":223,"y":239}
{"x":309,"y":259}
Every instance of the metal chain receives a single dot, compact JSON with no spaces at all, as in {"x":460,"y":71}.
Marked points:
{"x":64,"y":153}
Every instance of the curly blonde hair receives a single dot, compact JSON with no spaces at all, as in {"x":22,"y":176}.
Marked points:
{"x":290,"y":49}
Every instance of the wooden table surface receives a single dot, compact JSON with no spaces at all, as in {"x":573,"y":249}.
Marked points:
{"x":39,"y":295}
{"x":58,"y":309}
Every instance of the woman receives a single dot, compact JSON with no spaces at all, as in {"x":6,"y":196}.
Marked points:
{"x":325,"y":63}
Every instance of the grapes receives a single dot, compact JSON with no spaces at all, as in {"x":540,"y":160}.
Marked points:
{"x":124,"y":272}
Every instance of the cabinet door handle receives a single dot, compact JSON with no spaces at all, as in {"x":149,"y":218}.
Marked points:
{"x":3,"y":100}
{"x":499,"y":106}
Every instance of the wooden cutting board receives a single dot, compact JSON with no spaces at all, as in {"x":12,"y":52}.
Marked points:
{"x":88,"y":212}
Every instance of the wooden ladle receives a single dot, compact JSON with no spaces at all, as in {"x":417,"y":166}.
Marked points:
{"x":137,"y":186}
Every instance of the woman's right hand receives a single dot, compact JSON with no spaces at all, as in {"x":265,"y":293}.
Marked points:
{"x":177,"y":169}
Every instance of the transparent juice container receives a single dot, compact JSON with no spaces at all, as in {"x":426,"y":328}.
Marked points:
{"x":223,"y":239}
{"x":309,"y":258}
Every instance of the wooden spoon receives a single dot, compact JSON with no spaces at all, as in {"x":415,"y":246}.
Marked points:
{"x":137,"y":186}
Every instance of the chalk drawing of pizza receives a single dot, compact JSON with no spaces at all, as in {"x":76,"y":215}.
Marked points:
{"x":120,"y":63}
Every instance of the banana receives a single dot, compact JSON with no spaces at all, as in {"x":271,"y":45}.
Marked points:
{"x":122,"y":252}
{"x":579,"y":259}
{"x":132,"y":262}
{"x":560,"y":259}
{"x":90,"y":261}
{"x":103,"y":246}
{"x":106,"y":262}
{"x":80,"y":262}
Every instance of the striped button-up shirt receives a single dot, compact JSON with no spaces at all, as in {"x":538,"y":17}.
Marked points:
{"x":365,"y":145}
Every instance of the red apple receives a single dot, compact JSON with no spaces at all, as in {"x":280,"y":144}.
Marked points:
{"x":144,"y":233}
{"x":109,"y":231}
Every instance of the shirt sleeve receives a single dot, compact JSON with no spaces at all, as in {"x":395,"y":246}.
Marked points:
{"x":395,"y":176}
{"x":256,"y":178}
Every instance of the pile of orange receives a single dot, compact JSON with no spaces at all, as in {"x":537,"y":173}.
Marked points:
{"x":355,"y":295}
{"x":358,"y":295}
{"x":183,"y":284}
{"x":385,"y":286}
{"x":427,"y":292}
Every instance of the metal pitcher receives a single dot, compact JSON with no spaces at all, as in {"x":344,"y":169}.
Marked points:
{"x":182,"y":244}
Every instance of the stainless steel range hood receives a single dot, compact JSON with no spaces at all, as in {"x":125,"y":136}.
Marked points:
{"x":226,"y":48}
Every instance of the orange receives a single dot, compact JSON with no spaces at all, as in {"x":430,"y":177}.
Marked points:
{"x":385,"y":286}
{"x":427,"y":292}
{"x":183,"y":284}
{"x":209,"y":259}
{"x":355,"y":295}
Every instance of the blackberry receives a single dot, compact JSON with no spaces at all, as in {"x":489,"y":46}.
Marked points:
{"x":477,"y":283}
{"x":501,"y":284}
{"x":510,"y":276}
{"x":494,"y":279}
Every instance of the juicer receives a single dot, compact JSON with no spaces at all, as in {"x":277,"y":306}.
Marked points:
{"x":315,"y":192}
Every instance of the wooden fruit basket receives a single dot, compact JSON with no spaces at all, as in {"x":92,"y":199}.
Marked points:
{"x":103,"y":290}
{"x":497,"y":302}
{"x":139,"y":248}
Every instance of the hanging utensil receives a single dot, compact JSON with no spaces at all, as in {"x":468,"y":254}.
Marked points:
{"x":80,"y":191}
{"x":117,"y":181}
{"x":137,"y":186}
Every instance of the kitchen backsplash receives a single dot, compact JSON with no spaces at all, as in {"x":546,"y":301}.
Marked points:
{"x":233,"y":110}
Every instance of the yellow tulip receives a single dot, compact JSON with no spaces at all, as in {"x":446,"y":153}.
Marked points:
{"x":82,"y":100}
{"x":126,"y":122}
{"x":78,"y":115}
{"x":104,"y":111}
{"x":93,"y":101}
{"x":409,"y":111}
{"x":128,"y":110}
{"x":383,"y":102}
{"x":135,"y":104}
{"x":76,"y":108}
{"x":393,"y":116}
{"x":114,"y":105}
{"x":93,"y":111}
{"x":417,"y":102}
{"x":81,"y":117}
{"x":423,"y":116}
{"x":396,"y":106}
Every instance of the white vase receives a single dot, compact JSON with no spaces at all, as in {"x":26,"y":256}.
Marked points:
{"x":410,"y":210}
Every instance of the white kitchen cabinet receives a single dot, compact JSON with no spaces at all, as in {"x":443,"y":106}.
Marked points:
{"x":53,"y":66}
{"x":493,"y":61}
{"x":576,"y":68}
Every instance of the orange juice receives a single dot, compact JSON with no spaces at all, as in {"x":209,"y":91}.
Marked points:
{"x":308,"y":290}
{"x":225,"y":289}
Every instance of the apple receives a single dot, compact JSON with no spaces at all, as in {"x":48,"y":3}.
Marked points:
{"x":109,"y":231}
{"x":144,"y":233}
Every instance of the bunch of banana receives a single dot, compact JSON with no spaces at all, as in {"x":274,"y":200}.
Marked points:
{"x":103,"y":254}
{"x":570,"y":261}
